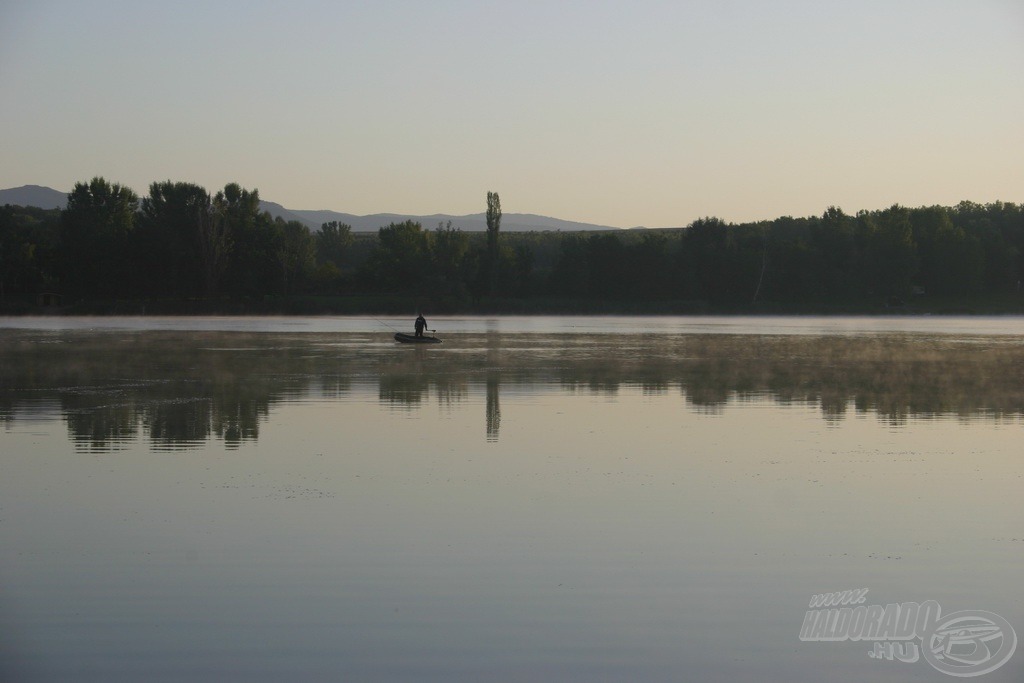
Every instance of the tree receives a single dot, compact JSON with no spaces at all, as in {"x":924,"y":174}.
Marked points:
{"x":570,"y":275}
{"x":493,"y":228}
{"x":297,"y":254}
{"x":649,"y":265}
{"x":834,"y":237}
{"x":999,"y":229}
{"x":28,"y":243}
{"x":606,"y":261}
{"x":241,"y":243}
{"x":703,"y":255}
{"x":332,"y":243}
{"x":95,"y":230}
{"x":170,"y":238}
{"x":951,"y":262}
{"x":450,"y":249}
{"x":891,"y":253}
{"x":401,"y":258}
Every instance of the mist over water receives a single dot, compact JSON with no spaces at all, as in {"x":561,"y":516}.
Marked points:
{"x":534,"y":499}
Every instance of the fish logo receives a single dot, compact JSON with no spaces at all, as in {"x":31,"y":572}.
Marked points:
{"x":968,"y":643}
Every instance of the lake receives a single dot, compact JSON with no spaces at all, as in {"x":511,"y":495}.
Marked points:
{"x":535,"y":499}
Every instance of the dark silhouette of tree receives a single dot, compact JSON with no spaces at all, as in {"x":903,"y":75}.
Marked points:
{"x":493,"y":229}
{"x":999,"y":229}
{"x":649,"y":262}
{"x":891,"y":253}
{"x":29,"y":239}
{"x":248,"y":240}
{"x":214,"y":240}
{"x":401,"y":259}
{"x":703,"y":260}
{"x":96,"y":228}
{"x":452,"y":266}
{"x":951,"y":262}
{"x":793,"y":262}
{"x":606,"y":265}
{"x":835,"y":238}
{"x":297,"y":254}
{"x":169,"y":239}
{"x":332,"y":243}
{"x":571,"y":273}
{"x":181,"y":242}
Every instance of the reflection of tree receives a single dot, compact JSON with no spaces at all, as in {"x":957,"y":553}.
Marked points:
{"x":178,"y":389}
{"x":494,"y":352}
{"x":833,"y":406}
{"x":185,"y":421}
{"x":237,"y":419}
{"x":101,"y":426}
{"x":181,"y":389}
{"x":493,"y":408}
{"x":893,"y":376}
{"x":410,"y":378}
{"x":403,"y":390}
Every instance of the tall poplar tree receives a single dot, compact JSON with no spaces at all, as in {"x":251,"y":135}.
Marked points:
{"x":493,"y":227}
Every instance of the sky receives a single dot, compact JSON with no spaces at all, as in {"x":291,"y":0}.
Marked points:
{"x":631,"y":113}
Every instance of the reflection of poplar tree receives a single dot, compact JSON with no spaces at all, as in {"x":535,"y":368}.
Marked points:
{"x":493,"y":226}
{"x":493,"y":409}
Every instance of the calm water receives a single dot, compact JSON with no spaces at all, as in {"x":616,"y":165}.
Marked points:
{"x":535,"y":499}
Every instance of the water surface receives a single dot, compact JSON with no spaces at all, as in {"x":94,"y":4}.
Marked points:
{"x":588,"y":499}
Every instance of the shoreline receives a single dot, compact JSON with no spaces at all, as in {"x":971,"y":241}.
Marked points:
{"x":402,"y":305}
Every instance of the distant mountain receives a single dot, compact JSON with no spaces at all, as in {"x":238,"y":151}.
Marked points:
{"x":34,"y":195}
{"x":48,"y":198}
{"x":476,"y":222}
{"x":278,"y":211}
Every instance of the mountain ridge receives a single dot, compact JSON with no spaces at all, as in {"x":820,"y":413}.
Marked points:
{"x":48,"y":198}
{"x":34,"y":195}
{"x":474,"y":222}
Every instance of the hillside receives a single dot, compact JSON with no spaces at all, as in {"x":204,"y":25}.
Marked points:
{"x":34,"y":195}
{"x":477,"y":222}
{"x":48,"y":198}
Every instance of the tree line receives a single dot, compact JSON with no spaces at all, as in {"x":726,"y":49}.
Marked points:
{"x":182,"y":242}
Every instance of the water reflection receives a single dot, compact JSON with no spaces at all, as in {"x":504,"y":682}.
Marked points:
{"x":493,"y":406}
{"x":181,"y":389}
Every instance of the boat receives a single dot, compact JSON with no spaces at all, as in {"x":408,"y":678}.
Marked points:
{"x":413,"y":339}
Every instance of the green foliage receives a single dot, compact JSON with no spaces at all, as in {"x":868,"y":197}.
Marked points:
{"x":952,"y":263}
{"x":182,"y":242}
{"x":169,"y":255}
{"x":493,"y":252}
{"x":244,"y":243}
{"x":297,"y":255}
{"x":333,"y":242}
{"x":401,"y":260}
{"x":452,"y":267}
{"x":96,"y":227}
{"x":892,"y":260}
{"x":704,"y":259}
{"x":29,"y":239}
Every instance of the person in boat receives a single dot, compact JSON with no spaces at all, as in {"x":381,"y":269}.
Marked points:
{"x":421,"y":324}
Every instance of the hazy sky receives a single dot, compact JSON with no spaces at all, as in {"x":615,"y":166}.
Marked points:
{"x":618,"y":113}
